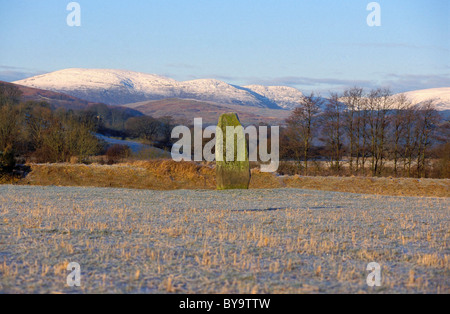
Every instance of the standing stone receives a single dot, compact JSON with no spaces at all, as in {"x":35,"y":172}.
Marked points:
{"x":234,"y":173}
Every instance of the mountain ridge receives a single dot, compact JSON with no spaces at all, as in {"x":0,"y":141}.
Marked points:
{"x":122,"y":87}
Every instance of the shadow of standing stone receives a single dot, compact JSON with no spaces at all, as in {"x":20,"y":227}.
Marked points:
{"x":234,"y":172}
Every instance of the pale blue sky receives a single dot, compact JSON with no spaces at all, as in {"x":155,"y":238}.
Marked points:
{"x":312,"y":45}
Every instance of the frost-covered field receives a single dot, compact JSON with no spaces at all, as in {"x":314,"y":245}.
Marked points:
{"x":260,"y":241}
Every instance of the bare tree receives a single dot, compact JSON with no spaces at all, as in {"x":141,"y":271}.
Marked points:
{"x":9,"y":94}
{"x":38,"y":119}
{"x":364,"y":133}
{"x":409,"y":138}
{"x":291,"y":145}
{"x":332,"y":129}
{"x":352,"y":99}
{"x":9,"y":98}
{"x":379,"y":104}
{"x":145,"y":127}
{"x":398,"y":121}
{"x":8,"y":126}
{"x":302,"y":121}
{"x":427,"y":120}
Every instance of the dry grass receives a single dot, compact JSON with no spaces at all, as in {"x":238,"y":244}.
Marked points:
{"x":156,"y":175}
{"x":170,"y":175}
{"x":377,"y":186}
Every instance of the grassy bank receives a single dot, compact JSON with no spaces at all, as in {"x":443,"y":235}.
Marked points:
{"x":169,"y":175}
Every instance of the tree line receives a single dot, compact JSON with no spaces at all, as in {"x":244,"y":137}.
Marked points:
{"x":35,"y":130}
{"x":368,"y":133}
{"x":38,"y":132}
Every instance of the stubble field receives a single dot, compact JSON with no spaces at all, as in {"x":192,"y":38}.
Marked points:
{"x":204,"y":241}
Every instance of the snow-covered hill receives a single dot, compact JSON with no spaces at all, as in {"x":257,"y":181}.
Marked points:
{"x":283,"y":96}
{"x":117,"y":87}
{"x":113,"y":87}
{"x":441,"y":96}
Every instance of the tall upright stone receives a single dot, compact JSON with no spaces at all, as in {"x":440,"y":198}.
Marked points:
{"x":232,"y":163}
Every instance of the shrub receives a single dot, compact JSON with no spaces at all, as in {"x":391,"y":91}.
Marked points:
{"x":7,"y":160}
{"x":441,"y":166}
{"x":117,"y":153}
{"x":290,"y":168}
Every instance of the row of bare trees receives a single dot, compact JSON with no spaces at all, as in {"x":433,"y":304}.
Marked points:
{"x":365,"y":132}
{"x":35,"y":130}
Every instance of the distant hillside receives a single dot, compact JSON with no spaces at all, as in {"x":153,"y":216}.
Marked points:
{"x":186,"y":109}
{"x":112,"y":117}
{"x":54,"y":98}
{"x":441,"y":96}
{"x":119,"y":87}
{"x":283,"y":96}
